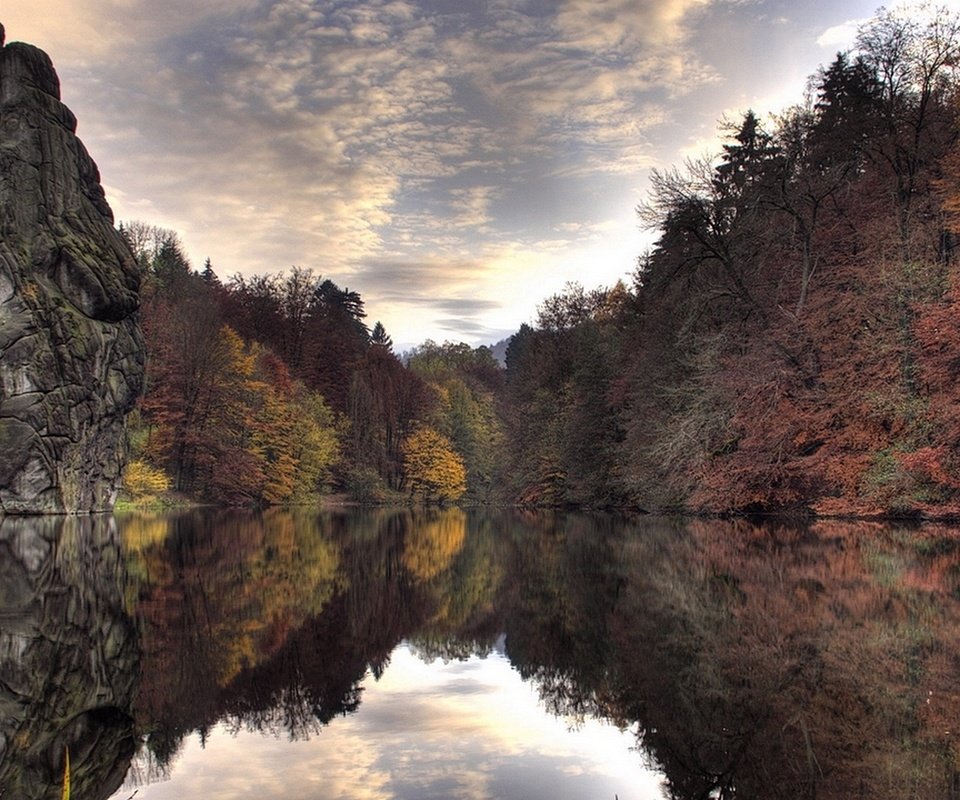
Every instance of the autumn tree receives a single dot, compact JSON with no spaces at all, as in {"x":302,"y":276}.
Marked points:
{"x":223,"y":416}
{"x":432,"y":469}
{"x":142,"y":480}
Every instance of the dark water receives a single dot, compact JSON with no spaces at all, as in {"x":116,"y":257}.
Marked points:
{"x":450,"y":654}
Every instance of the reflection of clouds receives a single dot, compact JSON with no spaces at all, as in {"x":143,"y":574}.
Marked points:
{"x":468,"y":729}
{"x":493,"y":739}
{"x":247,"y":765}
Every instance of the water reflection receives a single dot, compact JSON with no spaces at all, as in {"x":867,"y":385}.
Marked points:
{"x":782,"y":662}
{"x":748,"y":660}
{"x":68,"y":658}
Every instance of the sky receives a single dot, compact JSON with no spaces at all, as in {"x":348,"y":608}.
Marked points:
{"x":454,"y":161}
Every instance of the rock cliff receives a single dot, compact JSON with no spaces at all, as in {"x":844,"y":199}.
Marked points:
{"x":71,"y":351}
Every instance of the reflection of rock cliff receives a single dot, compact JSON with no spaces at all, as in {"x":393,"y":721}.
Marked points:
{"x":68,"y":658}
{"x":71,"y":353}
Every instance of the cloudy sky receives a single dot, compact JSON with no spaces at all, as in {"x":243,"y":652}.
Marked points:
{"x":454,"y":161}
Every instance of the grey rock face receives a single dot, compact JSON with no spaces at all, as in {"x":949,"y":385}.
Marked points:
{"x":71,"y":351}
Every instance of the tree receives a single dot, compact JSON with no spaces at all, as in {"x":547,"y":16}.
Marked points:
{"x":846,"y":115}
{"x":711,"y":236}
{"x":146,"y":240}
{"x":171,"y":269}
{"x":297,"y":291}
{"x":913,"y":57}
{"x":465,"y":381}
{"x":533,"y":401}
{"x":570,"y":307}
{"x":316,"y":445}
{"x":433,"y":470}
{"x":385,"y":400}
{"x":336,"y":342}
{"x":745,"y":162}
{"x":379,"y":336}
{"x":254,"y":309}
{"x":208,"y":276}
{"x":142,"y":480}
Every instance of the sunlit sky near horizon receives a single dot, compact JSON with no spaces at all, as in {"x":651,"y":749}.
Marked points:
{"x":455,"y":162}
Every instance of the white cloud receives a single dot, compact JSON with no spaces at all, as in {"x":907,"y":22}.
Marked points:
{"x":840,"y":37}
{"x":617,"y":26}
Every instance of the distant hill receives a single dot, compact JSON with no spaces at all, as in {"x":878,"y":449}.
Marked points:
{"x":500,"y":350}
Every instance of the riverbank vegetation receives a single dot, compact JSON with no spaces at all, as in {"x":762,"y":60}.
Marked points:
{"x":789,"y":344}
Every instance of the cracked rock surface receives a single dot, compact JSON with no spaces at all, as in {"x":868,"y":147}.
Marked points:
{"x":71,"y":350}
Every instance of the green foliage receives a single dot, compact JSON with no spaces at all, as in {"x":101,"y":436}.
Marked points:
{"x":379,"y":336}
{"x":365,"y":485}
{"x":563,"y":430}
{"x":317,"y":445}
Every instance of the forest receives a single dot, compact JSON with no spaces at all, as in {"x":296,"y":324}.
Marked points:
{"x":791,"y":343}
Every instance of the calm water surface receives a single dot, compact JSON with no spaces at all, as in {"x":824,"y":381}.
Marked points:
{"x":451,"y":654}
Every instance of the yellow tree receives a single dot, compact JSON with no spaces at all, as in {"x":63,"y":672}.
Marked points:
{"x":273,"y":441}
{"x":143,"y":481}
{"x":432,"y":467}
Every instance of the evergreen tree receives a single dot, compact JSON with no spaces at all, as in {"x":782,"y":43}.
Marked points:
{"x":379,"y":336}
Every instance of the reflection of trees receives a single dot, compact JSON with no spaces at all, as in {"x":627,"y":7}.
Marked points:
{"x":272,"y":621}
{"x":762,"y":661}
{"x":467,"y":609}
{"x":68,"y":658}
{"x":675,"y":611}
{"x":432,"y":541}
{"x":219,"y":594}
{"x":564,"y":591}
{"x":767,"y":661}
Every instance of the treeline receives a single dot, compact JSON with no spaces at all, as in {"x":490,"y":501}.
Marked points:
{"x":272,"y":389}
{"x":792,"y":341}
{"x":789,"y":343}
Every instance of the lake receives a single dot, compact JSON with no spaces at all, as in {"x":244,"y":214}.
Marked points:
{"x":441,"y":653}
